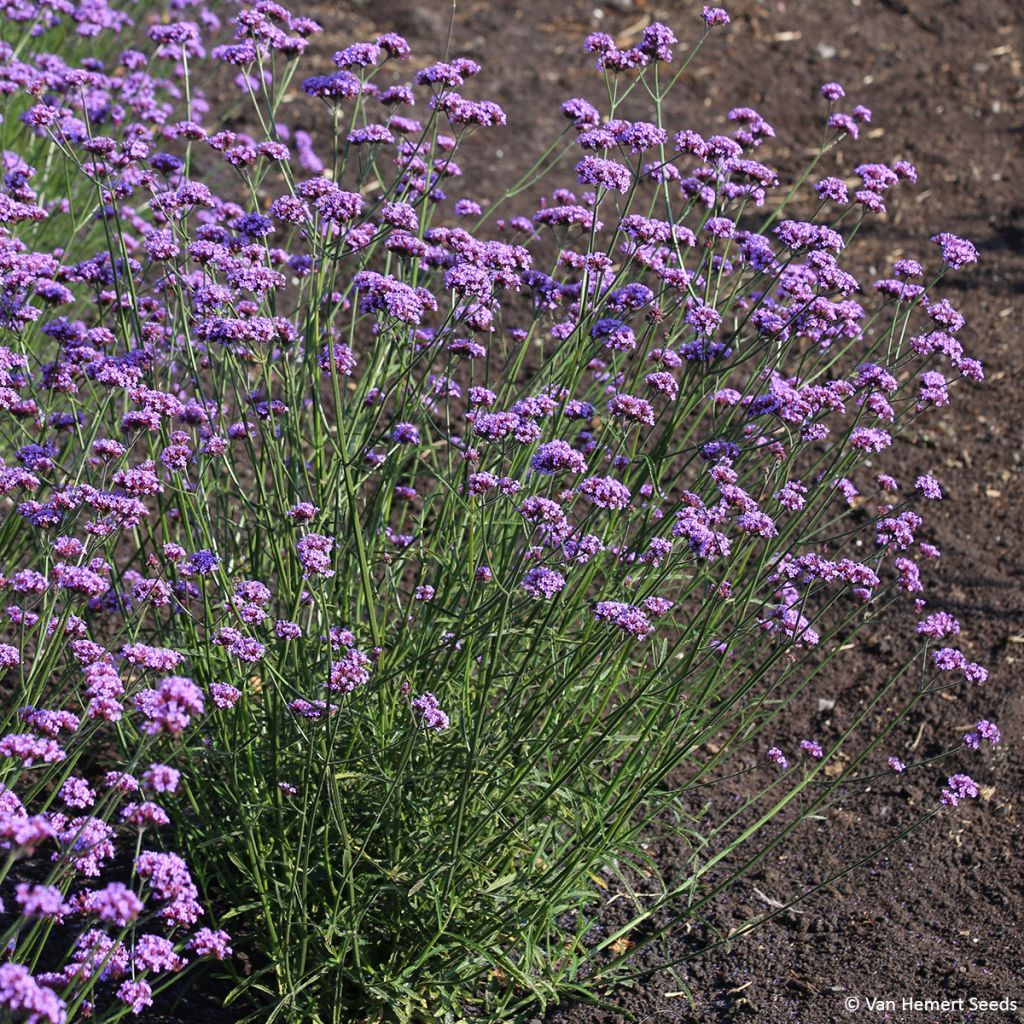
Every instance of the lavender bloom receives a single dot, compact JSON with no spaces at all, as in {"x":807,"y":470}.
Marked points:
{"x":20,"y":993}
{"x":30,"y":750}
{"x":960,"y":787}
{"x":543,"y":584}
{"x":984,"y":730}
{"x":956,"y":252}
{"x":136,"y":995}
{"x":629,"y":407}
{"x":720,"y":227}
{"x":393,"y":298}
{"x":629,"y":618}
{"x":314,"y":552}
{"x":429,"y":710}
{"x":337,"y":359}
{"x":703,"y":319}
{"x":170,"y":882}
{"x":614,"y":334}
{"x":161,"y":779}
{"x":157,"y":954}
{"x":933,"y":390}
{"x":359,"y":55}
{"x":453,"y":406}
{"x":351,"y":671}
{"x":169,"y":707}
{"x":141,"y":815}
{"x":606,"y":174}
{"x":833,"y":189}
{"x":641,"y":136}
{"x":451,"y":75}
{"x":791,"y":496}
{"x":405,"y":433}
{"x":303,"y":512}
{"x":756,"y":523}
{"x":581,"y":113}
{"x":949,"y":659}
{"x":657,"y":41}
{"x":605,"y":492}
{"x":88,"y":843}
{"x":313,"y":709}
{"x":40,"y":900}
{"x":599,"y":42}
{"x":203,"y":562}
{"x":558,"y":456}
{"x":76,"y":793}
{"x":395,"y":46}
{"x":121,"y":781}
{"x":844,"y":124}
{"x":664,"y":383}
{"x":207,"y":942}
{"x":51,"y":723}
{"x":714,"y":16}
{"x":96,"y":953}
{"x":938,"y":626}
{"x":898,"y":531}
{"x":988,"y":731}
{"x":870,"y":439}
{"x":115,"y":904}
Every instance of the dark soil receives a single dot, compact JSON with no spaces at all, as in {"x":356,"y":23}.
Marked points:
{"x":940,"y":915}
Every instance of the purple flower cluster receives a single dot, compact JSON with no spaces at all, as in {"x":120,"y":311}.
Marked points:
{"x":959,"y":787}
{"x":629,"y":618}
{"x":543,"y":584}
{"x":429,"y":711}
{"x":984,"y":730}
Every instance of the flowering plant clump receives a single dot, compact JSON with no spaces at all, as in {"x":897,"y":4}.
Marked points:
{"x":378,"y":574}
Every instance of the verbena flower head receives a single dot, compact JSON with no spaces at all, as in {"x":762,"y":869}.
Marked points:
{"x":429,"y":710}
{"x":959,"y":787}
{"x":715,"y":16}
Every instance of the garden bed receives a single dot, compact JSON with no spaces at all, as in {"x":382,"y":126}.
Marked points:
{"x":525,"y":767}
